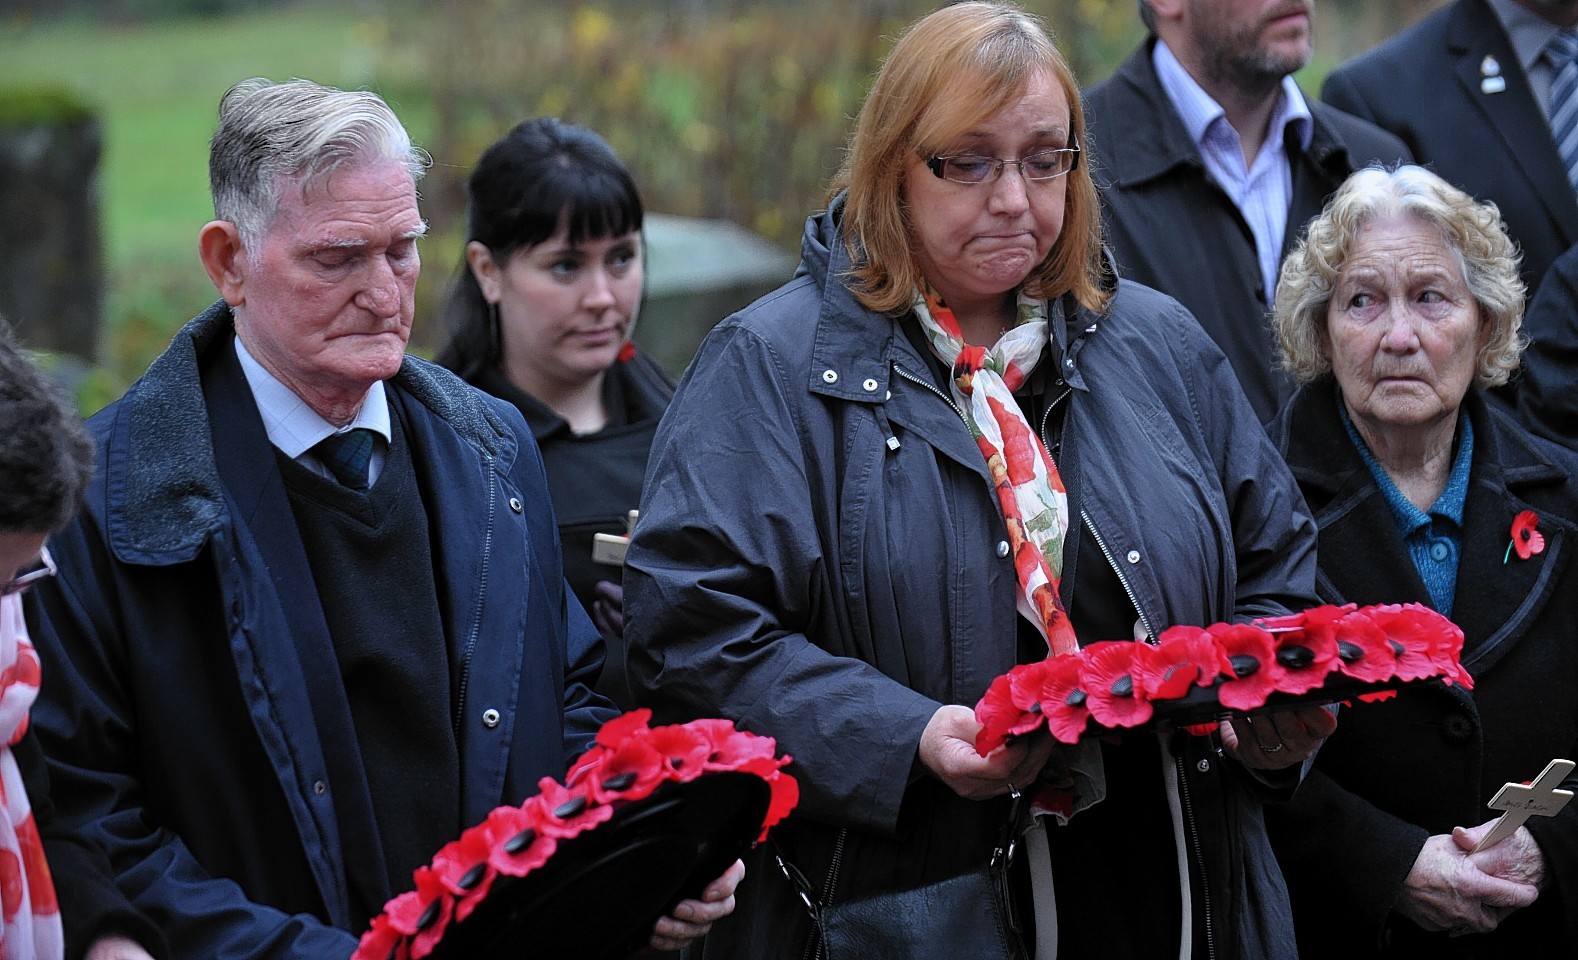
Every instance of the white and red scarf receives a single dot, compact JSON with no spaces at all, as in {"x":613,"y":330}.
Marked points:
{"x":1029,"y":489}
{"x":31,"y":917}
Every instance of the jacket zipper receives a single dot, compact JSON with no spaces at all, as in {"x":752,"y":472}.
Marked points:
{"x":813,"y":949}
{"x":1194,"y":845}
{"x":1150,"y":632}
{"x":912,"y":378}
{"x":1183,"y":781}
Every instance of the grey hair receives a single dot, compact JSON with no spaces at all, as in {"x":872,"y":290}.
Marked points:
{"x":274,"y":134}
{"x":1472,"y":230}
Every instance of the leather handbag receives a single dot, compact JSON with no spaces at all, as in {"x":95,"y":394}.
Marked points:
{"x":971,"y":915}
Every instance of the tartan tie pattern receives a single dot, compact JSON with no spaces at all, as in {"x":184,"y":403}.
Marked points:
{"x":1562,"y":52}
{"x":347,"y":455}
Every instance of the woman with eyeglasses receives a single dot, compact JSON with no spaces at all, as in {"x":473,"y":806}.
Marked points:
{"x":954,"y":443}
{"x":541,"y":314}
{"x":57,"y":895}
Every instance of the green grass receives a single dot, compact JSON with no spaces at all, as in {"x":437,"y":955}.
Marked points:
{"x":157,"y":86}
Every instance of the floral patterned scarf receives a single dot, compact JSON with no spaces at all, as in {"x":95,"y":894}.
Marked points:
{"x":31,"y":917}
{"x":1029,"y":490}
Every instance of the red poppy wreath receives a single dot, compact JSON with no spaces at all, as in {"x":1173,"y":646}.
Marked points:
{"x":645,"y":818}
{"x":1194,"y":675}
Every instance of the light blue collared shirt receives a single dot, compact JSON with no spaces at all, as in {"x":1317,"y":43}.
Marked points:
{"x":295,"y":428}
{"x":1263,"y":191}
{"x":1434,"y":538}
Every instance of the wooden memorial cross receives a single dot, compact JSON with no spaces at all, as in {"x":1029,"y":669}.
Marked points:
{"x":1520,"y":802}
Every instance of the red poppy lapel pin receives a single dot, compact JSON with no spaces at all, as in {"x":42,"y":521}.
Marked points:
{"x":1526,"y":539}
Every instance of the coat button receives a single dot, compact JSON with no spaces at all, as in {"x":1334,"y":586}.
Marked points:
{"x":319,"y":787}
{"x":829,"y":376}
{"x":1457,"y":728}
{"x":870,"y":385}
{"x":1204,"y":766}
{"x":1002,"y":549}
{"x":1439,"y":551}
{"x":1134,"y":556}
{"x":490,"y":718}
{"x":516,"y":505}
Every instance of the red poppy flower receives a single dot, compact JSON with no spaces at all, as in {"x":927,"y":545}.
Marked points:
{"x":1255,"y":672}
{"x":1063,"y":700}
{"x":1526,"y":540}
{"x":684,"y":751}
{"x":516,"y":846}
{"x":1307,"y":653}
{"x":1377,"y":696}
{"x":1183,"y":657}
{"x":1009,"y":708}
{"x":438,"y":909}
{"x":382,"y":941}
{"x":1424,"y":641}
{"x":631,"y":771}
{"x":562,"y":812}
{"x":739,"y":747}
{"x":627,"y":352}
{"x":1363,"y":652}
{"x":1114,"y":699}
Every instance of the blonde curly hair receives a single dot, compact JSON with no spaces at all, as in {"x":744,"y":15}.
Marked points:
{"x":1472,"y":230}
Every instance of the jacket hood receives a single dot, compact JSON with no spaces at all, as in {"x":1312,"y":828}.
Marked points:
{"x":163,"y":496}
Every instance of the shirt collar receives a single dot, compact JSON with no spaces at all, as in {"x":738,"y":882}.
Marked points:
{"x":1199,"y":111}
{"x":1448,"y":506}
{"x":294,"y":427}
{"x":1527,"y":32}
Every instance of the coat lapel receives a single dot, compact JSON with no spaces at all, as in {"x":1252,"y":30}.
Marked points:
{"x":1512,"y":114}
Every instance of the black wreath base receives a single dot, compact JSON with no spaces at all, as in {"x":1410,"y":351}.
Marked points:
{"x":601,"y":893}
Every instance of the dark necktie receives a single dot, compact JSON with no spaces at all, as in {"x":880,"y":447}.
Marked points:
{"x":1562,"y":52}
{"x":347,"y":455}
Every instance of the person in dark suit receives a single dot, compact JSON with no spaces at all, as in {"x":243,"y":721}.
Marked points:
{"x":1467,"y":88}
{"x":1397,"y":313}
{"x":312,"y":620}
{"x":1209,"y":159}
{"x":1547,"y":394}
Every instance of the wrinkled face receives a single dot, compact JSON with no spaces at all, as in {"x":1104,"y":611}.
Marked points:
{"x":567,"y":309}
{"x":1250,"y":42}
{"x":976,"y":242}
{"x":1404,"y":331}
{"x":326,"y":302}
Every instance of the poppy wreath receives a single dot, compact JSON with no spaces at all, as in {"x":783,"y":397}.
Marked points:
{"x":1322,"y":654}
{"x":628,"y":761}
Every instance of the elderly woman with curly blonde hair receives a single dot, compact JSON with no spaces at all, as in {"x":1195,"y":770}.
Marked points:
{"x":1396,"y":312}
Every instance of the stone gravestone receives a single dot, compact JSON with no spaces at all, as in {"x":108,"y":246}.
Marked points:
{"x":51,"y":261}
{"x":698,"y":272}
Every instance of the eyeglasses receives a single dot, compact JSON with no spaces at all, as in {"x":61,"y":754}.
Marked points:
{"x":44,"y":568}
{"x":973,"y":168}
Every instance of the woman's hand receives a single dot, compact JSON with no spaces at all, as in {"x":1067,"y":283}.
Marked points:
{"x":1447,"y":890}
{"x":947,"y":748}
{"x":1516,"y":857}
{"x":1279,"y":739}
{"x":116,"y":948}
{"x":692,"y":919}
{"x":608,"y":608}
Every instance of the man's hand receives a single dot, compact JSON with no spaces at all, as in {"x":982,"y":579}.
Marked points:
{"x":116,"y":948}
{"x":947,"y":748}
{"x":692,"y":919}
{"x":1447,"y":890}
{"x":1280,"y":738}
